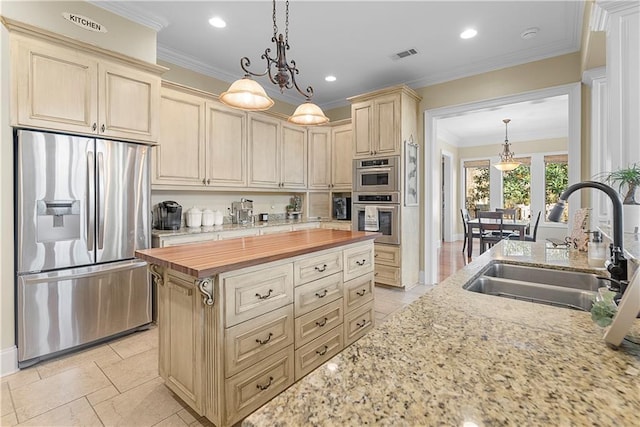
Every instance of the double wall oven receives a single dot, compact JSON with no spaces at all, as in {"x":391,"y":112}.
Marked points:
{"x":376,"y":190}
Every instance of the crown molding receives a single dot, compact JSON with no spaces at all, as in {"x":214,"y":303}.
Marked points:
{"x":133,"y":13}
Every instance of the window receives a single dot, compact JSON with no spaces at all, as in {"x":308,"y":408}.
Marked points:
{"x":516,"y":188}
{"x":556,"y":179}
{"x":476,"y":185}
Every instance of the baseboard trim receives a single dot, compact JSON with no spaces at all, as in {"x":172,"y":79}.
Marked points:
{"x":8,"y":361}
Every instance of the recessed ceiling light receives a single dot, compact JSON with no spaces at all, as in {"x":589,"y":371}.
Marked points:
{"x":469,"y":33}
{"x":529,"y":33}
{"x":330,"y":78}
{"x":217,"y":22}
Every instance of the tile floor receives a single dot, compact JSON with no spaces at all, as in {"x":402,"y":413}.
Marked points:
{"x":117,"y":383}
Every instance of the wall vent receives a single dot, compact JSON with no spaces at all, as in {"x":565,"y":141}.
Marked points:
{"x":405,"y":53}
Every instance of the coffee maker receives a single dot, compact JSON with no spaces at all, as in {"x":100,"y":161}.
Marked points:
{"x":168,"y":215}
{"x":242,"y":211}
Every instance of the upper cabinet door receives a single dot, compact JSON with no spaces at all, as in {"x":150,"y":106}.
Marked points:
{"x":319,"y":158}
{"x":387,"y":125}
{"x":129,"y":103}
{"x":341,"y":155}
{"x":179,"y":158}
{"x":226,"y":146}
{"x":264,"y":158}
{"x":362,"y":116}
{"x":293,"y":157}
{"x":53,"y":87}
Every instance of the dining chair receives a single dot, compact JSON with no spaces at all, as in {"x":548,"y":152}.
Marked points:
{"x":529,"y":237}
{"x":464,"y":213}
{"x":507,"y":213}
{"x":491,"y":229}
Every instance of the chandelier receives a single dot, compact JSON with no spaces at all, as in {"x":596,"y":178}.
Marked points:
{"x":247,"y":94}
{"x":506,"y":163}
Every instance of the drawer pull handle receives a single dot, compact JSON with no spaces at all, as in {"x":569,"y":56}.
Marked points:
{"x":361,"y":263}
{"x":322,"y":295}
{"x":261,"y":342}
{"x":265,"y":296}
{"x":323,"y":351}
{"x":361,"y":293}
{"x":362,"y":324}
{"x":321,"y":269}
{"x":264,"y":387}
{"x":322,"y":323}
{"x":376,"y":256}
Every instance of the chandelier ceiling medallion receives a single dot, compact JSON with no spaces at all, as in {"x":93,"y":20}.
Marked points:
{"x":507,"y":162}
{"x":247,"y":94}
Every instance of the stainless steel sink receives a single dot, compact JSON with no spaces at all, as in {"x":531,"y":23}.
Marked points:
{"x":569,"y":289}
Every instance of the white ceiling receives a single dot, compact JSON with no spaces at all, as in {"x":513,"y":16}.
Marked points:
{"x":356,"y":40}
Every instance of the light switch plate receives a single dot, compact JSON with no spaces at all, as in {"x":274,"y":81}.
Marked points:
{"x":628,"y":310}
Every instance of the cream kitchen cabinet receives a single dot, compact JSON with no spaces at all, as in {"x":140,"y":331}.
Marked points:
{"x":202,"y":142}
{"x":63,"y":85}
{"x":277,"y":154}
{"x":382,"y":120}
{"x":330,"y":158}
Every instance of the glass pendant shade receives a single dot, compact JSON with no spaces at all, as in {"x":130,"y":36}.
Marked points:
{"x":507,"y":166}
{"x":246,"y":94}
{"x":308,"y":114}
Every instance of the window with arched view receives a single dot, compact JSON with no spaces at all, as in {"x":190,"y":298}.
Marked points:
{"x":556,"y":179}
{"x":516,"y":188}
{"x":476,"y":185}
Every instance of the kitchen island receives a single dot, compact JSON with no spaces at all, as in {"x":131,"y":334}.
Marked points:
{"x":240,"y":320}
{"x":456,"y":357}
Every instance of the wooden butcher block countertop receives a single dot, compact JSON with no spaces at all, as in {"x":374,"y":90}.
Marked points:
{"x":211,"y":258}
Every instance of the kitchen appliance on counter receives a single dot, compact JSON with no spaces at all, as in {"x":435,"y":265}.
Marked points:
{"x":168,"y":215}
{"x":342,"y":208}
{"x":82,"y":209}
{"x":381,"y":174}
{"x":242,"y":211}
{"x":385,"y":209}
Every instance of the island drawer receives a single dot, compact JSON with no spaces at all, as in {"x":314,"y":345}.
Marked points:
{"x":256,"y":291}
{"x":249,"y":342}
{"x":358,"y":260}
{"x":318,"y":351}
{"x":258,"y":384}
{"x":317,"y":267}
{"x":315,"y":294}
{"x":387,"y":255}
{"x":358,"y":322}
{"x":311,"y":325}
{"x":358,"y":291}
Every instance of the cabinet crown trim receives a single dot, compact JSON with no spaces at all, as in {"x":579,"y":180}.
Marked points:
{"x":387,"y":91}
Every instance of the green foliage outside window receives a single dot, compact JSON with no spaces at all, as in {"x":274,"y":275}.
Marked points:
{"x":556,"y":179}
{"x":477,"y":188}
{"x":516,"y":187}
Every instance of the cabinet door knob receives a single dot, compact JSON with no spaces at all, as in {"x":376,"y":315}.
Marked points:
{"x":204,"y":181}
{"x":102,"y":128}
{"x":208,"y":181}
{"x":94,"y":127}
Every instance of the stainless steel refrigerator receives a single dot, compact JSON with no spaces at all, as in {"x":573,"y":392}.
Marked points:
{"x":82,"y":209}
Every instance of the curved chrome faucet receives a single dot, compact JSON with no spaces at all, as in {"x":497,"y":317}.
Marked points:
{"x":617,"y":263}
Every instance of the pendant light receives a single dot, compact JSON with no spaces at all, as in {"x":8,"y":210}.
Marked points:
{"x":506,"y":163}
{"x":247,"y":94}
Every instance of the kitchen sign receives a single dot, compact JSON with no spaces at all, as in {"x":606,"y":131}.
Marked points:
{"x":84,"y":22}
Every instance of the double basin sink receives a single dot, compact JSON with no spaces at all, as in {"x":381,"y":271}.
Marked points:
{"x":561,"y":288}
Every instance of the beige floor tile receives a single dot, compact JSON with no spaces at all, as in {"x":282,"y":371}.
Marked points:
{"x":188,"y":415}
{"x":129,"y":373}
{"x":135,"y":343}
{"x":77,"y":413}
{"x":9,"y":420}
{"x":173,"y":421}
{"x":144,"y":405}
{"x":36,"y":398}
{"x":20,"y":378}
{"x":387,"y":307}
{"x":5,"y":400}
{"x":98,"y":355}
{"x":102,"y":395}
{"x":202,"y":422}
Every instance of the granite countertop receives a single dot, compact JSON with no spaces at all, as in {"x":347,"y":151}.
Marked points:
{"x":206,"y":259}
{"x":455,"y":357}
{"x":230,"y":227}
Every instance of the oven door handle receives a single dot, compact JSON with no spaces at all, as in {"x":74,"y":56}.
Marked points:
{"x":375,"y":170}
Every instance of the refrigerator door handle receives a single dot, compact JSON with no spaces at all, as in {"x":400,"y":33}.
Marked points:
{"x":91,"y":200}
{"x":100,"y":200}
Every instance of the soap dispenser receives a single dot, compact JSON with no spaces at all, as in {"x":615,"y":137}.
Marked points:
{"x":597,"y":251}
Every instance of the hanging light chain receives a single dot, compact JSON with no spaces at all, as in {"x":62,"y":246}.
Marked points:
{"x":275,"y":25}
{"x":286,"y":26}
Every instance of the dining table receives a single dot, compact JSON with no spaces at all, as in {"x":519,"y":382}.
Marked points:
{"x":521,"y":226}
